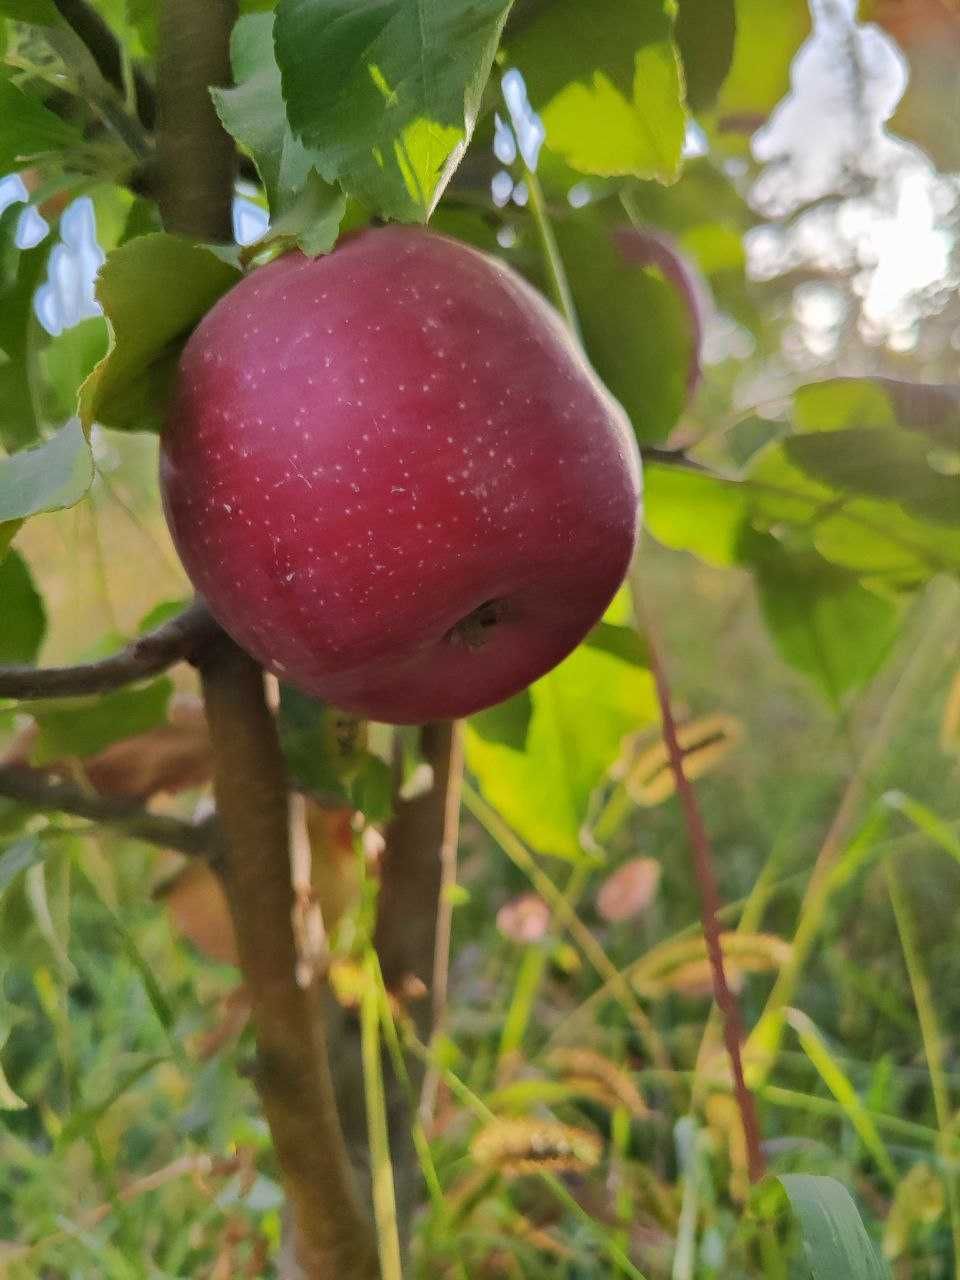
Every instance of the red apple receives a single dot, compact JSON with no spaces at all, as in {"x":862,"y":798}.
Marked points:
{"x":394,"y":478}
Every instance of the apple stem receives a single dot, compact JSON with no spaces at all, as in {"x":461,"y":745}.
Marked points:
{"x":560,"y":290}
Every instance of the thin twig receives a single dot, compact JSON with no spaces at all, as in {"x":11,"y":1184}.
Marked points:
{"x":710,"y":909}
{"x":107,"y":53}
{"x":176,"y":640}
{"x":412,"y":873}
{"x":38,"y":790}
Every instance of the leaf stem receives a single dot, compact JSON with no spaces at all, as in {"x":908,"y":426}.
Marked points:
{"x":560,"y":290}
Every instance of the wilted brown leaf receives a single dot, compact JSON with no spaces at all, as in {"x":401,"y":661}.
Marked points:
{"x":197,"y":904}
{"x":173,"y":757}
{"x":198,"y":910}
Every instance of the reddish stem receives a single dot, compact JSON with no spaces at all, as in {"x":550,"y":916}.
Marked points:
{"x":703,"y":863}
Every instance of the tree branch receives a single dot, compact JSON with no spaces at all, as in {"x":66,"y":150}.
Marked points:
{"x":412,"y":870}
{"x":411,"y":939}
{"x":293,"y":1076}
{"x":38,"y":790}
{"x":179,"y":639}
{"x":105,"y":49}
{"x":196,"y":156}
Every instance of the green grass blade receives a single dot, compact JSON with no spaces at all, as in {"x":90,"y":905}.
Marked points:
{"x":933,"y":1043}
{"x":835,"y":1241}
{"x":378,"y":1135}
{"x":837,"y":1081}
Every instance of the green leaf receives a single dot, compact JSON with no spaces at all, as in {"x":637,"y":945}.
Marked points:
{"x":842,"y":402}
{"x":824,"y":621}
{"x":882,"y":464}
{"x":311,"y":222}
{"x":161,"y":613}
{"x":834,"y":1240}
{"x":27,"y":128}
{"x":925,"y":820}
{"x":767,"y":38}
{"x":714,"y":247}
{"x":705,"y":32}
{"x":875,"y":538}
{"x":42,"y":12}
{"x":325,"y":749}
{"x":637,"y":329}
{"x":68,"y":361}
{"x":142,"y":16}
{"x":9,"y":1099}
{"x":620,"y":641}
{"x":387,"y":91}
{"x":255,"y":114}
{"x":693,"y":511}
{"x":871,"y":473}
{"x":82,"y":727}
{"x":608,"y":85}
{"x":371,"y":789}
{"x":21,"y":272}
{"x":580,"y":714}
{"x":932,"y":408}
{"x":24,"y":621}
{"x":506,"y":723}
{"x":882,"y":438}
{"x":48,"y":477}
{"x":84,"y":1120}
{"x":18,"y":422}
{"x":154,"y":290}
{"x":19,"y":857}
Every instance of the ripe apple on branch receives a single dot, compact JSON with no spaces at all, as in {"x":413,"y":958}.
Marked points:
{"x":394,"y":478}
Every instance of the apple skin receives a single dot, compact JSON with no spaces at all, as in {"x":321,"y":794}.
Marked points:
{"x":394,"y":478}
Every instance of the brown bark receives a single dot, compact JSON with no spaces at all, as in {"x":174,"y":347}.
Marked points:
{"x":293,"y":1072}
